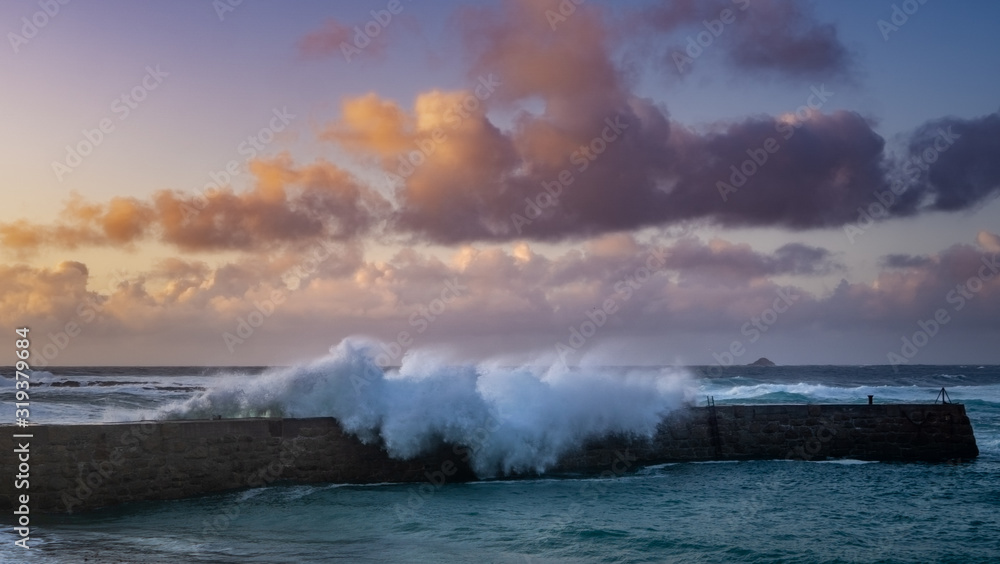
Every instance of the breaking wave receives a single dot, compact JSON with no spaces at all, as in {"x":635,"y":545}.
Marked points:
{"x":512,"y":418}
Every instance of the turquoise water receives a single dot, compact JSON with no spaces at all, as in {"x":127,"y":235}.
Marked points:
{"x":761,"y":511}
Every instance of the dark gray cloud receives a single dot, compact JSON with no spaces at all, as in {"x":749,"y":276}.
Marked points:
{"x":782,"y":37}
{"x":905,"y":261}
{"x":742,"y":263}
{"x":966,"y":171}
{"x":802,"y":170}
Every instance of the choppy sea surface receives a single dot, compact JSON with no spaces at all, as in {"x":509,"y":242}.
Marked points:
{"x":761,"y":511}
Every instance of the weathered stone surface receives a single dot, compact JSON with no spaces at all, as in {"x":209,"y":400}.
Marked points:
{"x":81,"y":467}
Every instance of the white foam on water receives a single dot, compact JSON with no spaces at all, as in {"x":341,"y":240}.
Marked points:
{"x":828,"y":394}
{"x":513,"y":419}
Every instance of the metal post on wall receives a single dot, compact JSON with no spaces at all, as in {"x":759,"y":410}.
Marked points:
{"x":943,"y":396}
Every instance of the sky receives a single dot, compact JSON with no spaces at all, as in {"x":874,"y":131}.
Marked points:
{"x":688,"y":182}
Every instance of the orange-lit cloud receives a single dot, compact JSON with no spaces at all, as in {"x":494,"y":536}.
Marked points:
{"x":41,"y":294}
{"x":583,"y":155}
{"x":506,"y":296}
{"x":119,"y":222}
{"x":372,"y":125}
{"x":289,"y":205}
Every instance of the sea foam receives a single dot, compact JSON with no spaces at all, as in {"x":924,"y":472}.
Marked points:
{"x":512,"y":418}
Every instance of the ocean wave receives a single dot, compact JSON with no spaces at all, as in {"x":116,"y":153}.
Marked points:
{"x":513,"y":419}
{"x":41,"y":376}
{"x":820,"y":393}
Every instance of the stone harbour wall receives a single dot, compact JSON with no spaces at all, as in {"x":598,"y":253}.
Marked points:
{"x":881,"y":432}
{"x":82,"y":467}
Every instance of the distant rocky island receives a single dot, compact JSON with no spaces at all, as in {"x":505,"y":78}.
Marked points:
{"x":761,"y":362}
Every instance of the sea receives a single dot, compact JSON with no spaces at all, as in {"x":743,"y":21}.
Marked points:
{"x":794,"y":511}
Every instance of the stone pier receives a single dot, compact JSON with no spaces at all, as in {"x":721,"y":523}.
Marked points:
{"x":82,"y":467}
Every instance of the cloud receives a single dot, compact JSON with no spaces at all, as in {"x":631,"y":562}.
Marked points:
{"x":738,"y":263}
{"x":781,"y":37}
{"x":334,"y":38}
{"x":289,"y":205}
{"x":905,"y":261}
{"x":369,"y":124}
{"x":953,"y":163}
{"x":39,"y":295}
{"x":328,"y":39}
{"x":371,"y":37}
{"x":990,"y":242}
{"x":625,"y":164}
{"x":531,"y":300}
{"x":582,"y":156}
{"x":823,"y":167}
{"x":913,"y":288}
{"x":569,"y":67}
{"x":518,"y":285}
{"x":119,"y":222}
